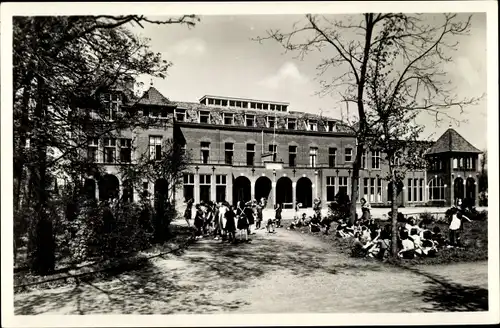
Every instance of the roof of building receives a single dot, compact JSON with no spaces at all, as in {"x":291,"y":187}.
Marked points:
{"x":452,"y":141}
{"x":154,"y":97}
{"x":244,"y":99}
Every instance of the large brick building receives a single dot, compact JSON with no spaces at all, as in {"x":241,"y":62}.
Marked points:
{"x":246,"y":149}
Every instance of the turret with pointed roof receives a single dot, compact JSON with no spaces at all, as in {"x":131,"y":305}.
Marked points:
{"x":452,"y":142}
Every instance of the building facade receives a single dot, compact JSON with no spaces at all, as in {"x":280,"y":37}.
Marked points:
{"x":243,"y":149}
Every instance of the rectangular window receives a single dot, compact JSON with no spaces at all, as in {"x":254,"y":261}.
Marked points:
{"x":273,"y":149}
{"x":283,"y":108}
{"x":238,"y":104}
{"x":331,"y":126}
{"x":92,"y":150}
{"x":205,"y":182}
{"x":376,"y":159}
{"x":155,"y":147}
{"x":379,"y":190}
{"x":109,"y":150}
{"x":348,"y":154}
{"x":250,"y":154}
{"x":421,"y":190}
{"x":271,"y":121}
{"x":188,"y":186}
{"x":145,"y":190}
{"x":249,"y":120}
{"x":125,"y":150}
{"x":224,"y":103}
{"x":366,"y":195}
{"x":272,"y":107}
{"x":312,"y":125}
{"x":220,"y":188}
{"x":232,"y":103}
{"x":455,"y":163}
{"x":343,"y":185}
{"x":217,"y":102}
{"x":111,"y":105}
{"x":292,"y":156}
{"x":291,"y":124}
{"x":253,"y":105}
{"x":205,"y":151}
{"x":332,"y":156}
{"x":210,"y":101}
{"x":180,"y":115}
{"x":228,"y":118}
{"x":244,"y":104}
{"x":372,"y":190}
{"x":313,"y":156}
{"x":264,"y":106}
{"x":415,"y":190}
{"x":259,"y":106}
{"x":205,"y":117}
{"x":409,"y":190}
{"x":330,"y":189}
{"x":229,"y":150}
{"x":363,"y":160}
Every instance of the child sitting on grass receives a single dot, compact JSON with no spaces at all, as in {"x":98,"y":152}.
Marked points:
{"x":408,"y":248}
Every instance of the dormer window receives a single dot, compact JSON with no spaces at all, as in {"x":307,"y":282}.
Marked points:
{"x":112,"y":105}
{"x":205,"y":117}
{"x":249,"y":120}
{"x":271,"y":121}
{"x":272,"y":107}
{"x":217,"y":102}
{"x":210,"y":101}
{"x":331,"y":126}
{"x":180,"y":115}
{"x":292,"y":124}
{"x":312,"y":125}
{"x":228,"y":118}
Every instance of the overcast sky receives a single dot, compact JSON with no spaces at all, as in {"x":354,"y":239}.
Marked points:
{"x":218,"y":57}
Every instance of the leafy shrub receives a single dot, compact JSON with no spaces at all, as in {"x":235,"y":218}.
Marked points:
{"x":340,"y":208}
{"x":426,"y":218}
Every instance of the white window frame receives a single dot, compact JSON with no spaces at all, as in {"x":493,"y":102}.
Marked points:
{"x":312,"y":125}
{"x":343,"y":182}
{"x":331,"y":182}
{"x":228,"y":115}
{"x":313,"y":156}
{"x":269,"y":118}
{"x":350,"y":155}
{"x":202,"y":148}
{"x":128,"y":145}
{"x":109,"y":143}
{"x":226,"y":150}
{"x":93,"y":144}
{"x":180,"y":111}
{"x":154,"y":141}
{"x":205,"y":113}
{"x":376,"y":159}
{"x":109,"y":103}
{"x":250,"y":117}
{"x":434,"y":185}
{"x":330,"y":126}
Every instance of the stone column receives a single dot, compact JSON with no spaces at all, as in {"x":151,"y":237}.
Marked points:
{"x":273,"y":186}
{"x":252,"y":189}
{"x":212,"y":188}
{"x":315,"y":185}
{"x":294,"y":194}
{"x":451,"y":193}
{"x":196,"y":188}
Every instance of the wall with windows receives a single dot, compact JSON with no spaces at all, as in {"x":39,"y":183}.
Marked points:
{"x":242,"y":145}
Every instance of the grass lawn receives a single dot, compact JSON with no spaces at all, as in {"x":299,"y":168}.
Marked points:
{"x":474,"y":237}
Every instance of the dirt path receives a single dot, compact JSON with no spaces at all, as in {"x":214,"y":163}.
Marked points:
{"x":282,"y":273}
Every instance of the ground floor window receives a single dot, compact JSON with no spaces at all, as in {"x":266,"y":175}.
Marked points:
{"x":343,"y":185}
{"x":220,"y":188}
{"x":436,"y":189}
{"x":188,"y":186}
{"x":330,"y":189}
{"x":379,"y":190}
{"x":205,"y":181}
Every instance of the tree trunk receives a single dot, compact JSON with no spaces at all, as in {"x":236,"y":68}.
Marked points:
{"x":394,"y":219}
{"x":42,"y":257}
{"x":355,"y":182}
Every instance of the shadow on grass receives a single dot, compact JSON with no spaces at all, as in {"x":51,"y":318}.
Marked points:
{"x":443,"y":295}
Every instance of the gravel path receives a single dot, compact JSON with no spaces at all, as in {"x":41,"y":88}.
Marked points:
{"x":287,"y":272}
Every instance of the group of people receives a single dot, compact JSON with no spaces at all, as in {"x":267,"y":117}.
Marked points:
{"x":231,"y":223}
{"x":414,"y":240}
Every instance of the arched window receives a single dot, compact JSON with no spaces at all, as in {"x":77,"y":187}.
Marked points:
{"x":436,"y":189}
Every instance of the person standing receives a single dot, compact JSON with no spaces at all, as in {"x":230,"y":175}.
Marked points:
{"x":198,"y":221}
{"x":365,"y":210}
{"x":230,"y":225}
{"x":188,"y":212}
{"x":250,"y":217}
{"x":277,"y":216}
{"x":456,"y":227}
{"x":222,"y":220}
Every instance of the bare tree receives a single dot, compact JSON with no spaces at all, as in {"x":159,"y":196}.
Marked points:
{"x":415,"y":49}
